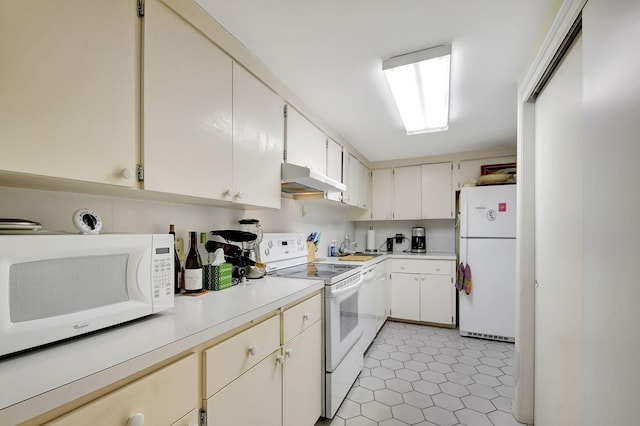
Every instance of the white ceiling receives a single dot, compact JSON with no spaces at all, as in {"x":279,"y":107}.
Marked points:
{"x":330,"y":52}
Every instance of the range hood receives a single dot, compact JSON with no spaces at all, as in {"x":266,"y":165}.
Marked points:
{"x":302,"y":180}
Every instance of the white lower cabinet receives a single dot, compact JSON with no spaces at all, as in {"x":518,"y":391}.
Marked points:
{"x":423,"y":290}
{"x":263,"y":376}
{"x":302,"y":378}
{"x":164,"y":397}
{"x":255,"y":398}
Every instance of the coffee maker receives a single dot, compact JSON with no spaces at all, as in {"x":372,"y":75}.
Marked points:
{"x":418,"y":240}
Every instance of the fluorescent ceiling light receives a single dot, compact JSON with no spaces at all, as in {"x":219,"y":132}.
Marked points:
{"x":419,"y":83}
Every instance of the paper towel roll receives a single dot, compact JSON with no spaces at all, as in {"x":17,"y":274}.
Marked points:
{"x":371,"y":240}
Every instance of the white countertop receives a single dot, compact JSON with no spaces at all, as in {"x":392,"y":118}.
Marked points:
{"x":42,"y":379}
{"x":394,"y":255}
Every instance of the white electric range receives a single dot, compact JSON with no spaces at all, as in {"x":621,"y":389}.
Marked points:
{"x":286,"y":256}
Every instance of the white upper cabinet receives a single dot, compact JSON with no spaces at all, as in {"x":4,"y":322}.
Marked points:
{"x":382,"y":194}
{"x":187,"y":108}
{"x":334,"y":166}
{"x":358,"y":184}
{"x":69,"y":76}
{"x":407,"y":194}
{"x":306,"y":144}
{"x":437,"y":193}
{"x":258,"y":141}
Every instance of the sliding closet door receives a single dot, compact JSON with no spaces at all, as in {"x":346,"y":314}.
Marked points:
{"x":559,"y":138}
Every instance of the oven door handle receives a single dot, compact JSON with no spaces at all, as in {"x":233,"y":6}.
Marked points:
{"x":351,"y":287}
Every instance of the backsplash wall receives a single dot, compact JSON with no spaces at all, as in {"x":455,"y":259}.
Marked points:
{"x":440,"y":233}
{"x":308,"y":216}
{"x":54,"y":211}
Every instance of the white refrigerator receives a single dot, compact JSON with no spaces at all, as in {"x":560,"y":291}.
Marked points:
{"x":487,"y":219}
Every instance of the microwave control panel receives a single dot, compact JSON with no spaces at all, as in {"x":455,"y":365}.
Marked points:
{"x":162,"y":272}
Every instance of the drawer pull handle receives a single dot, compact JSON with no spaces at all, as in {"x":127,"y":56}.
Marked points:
{"x":305,"y":317}
{"x":288,"y":352}
{"x":136,"y":420}
{"x":253,"y":350}
{"x":280,"y":359}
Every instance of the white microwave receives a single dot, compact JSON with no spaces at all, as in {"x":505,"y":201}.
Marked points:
{"x":57,"y":286}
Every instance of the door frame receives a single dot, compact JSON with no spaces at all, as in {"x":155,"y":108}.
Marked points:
{"x":564,"y":16}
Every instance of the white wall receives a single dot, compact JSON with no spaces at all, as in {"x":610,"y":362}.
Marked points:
{"x":55,"y":209}
{"x":308,"y":216}
{"x":440,"y":234}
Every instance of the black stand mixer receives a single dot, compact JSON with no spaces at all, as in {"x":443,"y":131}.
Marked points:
{"x":243,"y":259}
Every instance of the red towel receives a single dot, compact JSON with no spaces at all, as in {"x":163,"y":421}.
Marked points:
{"x":467,"y":279}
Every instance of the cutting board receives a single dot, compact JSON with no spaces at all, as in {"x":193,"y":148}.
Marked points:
{"x":356,"y":258}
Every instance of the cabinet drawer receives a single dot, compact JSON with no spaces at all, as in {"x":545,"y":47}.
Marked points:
{"x":297,"y":318}
{"x":163,"y":397}
{"x":229,"y":359}
{"x":255,"y":398}
{"x":414,"y":266}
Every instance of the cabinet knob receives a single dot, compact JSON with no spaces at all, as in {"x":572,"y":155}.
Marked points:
{"x":288,"y":352}
{"x":227,"y":192}
{"x":136,"y":420}
{"x":305,"y":317}
{"x":239,"y":195}
{"x":280,"y":359}
{"x":253,"y":350}
{"x":126,"y":173}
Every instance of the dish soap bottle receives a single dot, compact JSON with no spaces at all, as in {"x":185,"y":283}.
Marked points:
{"x":332,"y":248}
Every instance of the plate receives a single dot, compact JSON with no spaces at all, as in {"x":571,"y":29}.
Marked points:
{"x":494,"y":178}
{"x":18,"y":225}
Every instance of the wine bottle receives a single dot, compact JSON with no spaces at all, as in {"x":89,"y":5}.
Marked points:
{"x":193,"y":267}
{"x":204,"y":254}
{"x":176,"y":262}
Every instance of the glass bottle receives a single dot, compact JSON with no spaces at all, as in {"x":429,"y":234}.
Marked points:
{"x":204,"y":254}
{"x":193,"y":267}
{"x":176,"y":262}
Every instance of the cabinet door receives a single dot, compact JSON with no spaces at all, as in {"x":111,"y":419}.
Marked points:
{"x":353,"y":181}
{"x":306,"y":144}
{"x":407,"y":199}
{"x":162,"y":397}
{"x":365,"y":187}
{"x":255,"y":398}
{"x":437,"y":194}
{"x":382,"y":194}
{"x":381,"y":291}
{"x":437,"y":299}
{"x":334,"y":166}
{"x":187,"y":108}
{"x":302,"y":378}
{"x":68,"y":83}
{"x":258,"y":141}
{"x":405,"y":296}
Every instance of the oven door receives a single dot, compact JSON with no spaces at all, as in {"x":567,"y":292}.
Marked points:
{"x":343,"y":326}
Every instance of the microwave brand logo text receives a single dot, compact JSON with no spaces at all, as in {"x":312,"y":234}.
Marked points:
{"x":80,"y":327}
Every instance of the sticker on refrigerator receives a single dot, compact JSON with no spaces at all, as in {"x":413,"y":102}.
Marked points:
{"x":491,"y":215}
{"x":502,"y":207}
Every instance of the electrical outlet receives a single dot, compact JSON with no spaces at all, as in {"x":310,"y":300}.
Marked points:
{"x":180,"y":248}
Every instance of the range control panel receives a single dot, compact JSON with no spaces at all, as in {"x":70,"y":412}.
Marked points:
{"x":282,"y":250}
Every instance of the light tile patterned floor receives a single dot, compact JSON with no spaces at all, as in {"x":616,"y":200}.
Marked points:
{"x":421,"y":375}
